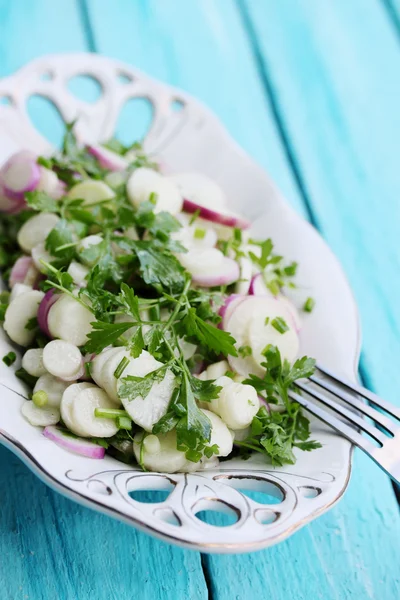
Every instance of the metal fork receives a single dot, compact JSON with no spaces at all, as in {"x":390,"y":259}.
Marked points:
{"x":387,"y":454}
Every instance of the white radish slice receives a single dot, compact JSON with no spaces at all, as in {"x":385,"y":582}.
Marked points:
{"x":209,"y":267}
{"x":40,"y":416}
{"x":197,"y":236}
{"x":85,"y":244}
{"x":32,"y":362}
{"x":258,"y":288}
{"x":19,"y":270}
{"x":91,"y":191}
{"x":32,"y":276}
{"x":49,"y":299}
{"x":237,"y":404}
{"x":53,"y":387}
{"x":146,"y":412}
{"x":217,"y":369}
{"x":107,"y":159}
{"x":261,"y":334}
{"x":18,"y":289}
{"x":63,"y":360}
{"x":200,"y":190}
{"x":108,"y":381}
{"x":159,"y":454}
{"x":66,"y":403}
{"x":78,"y":273}
{"x":237,"y":323}
{"x":76,"y":445}
{"x":246,"y":272}
{"x":188,"y":349}
{"x":228,"y":307}
{"x":220,"y":434}
{"x":50,"y":184}
{"x":21,"y":310}
{"x":82,"y":414}
{"x":115,"y":179}
{"x":143,"y":182}
{"x":97,"y":366}
{"x":40,"y":253}
{"x":21,"y":173}
{"x":36,"y":230}
{"x":70,"y":321}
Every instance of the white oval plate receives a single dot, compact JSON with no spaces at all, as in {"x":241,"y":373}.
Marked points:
{"x":190,"y":138}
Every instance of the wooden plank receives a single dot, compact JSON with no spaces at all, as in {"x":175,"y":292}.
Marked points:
{"x":51,"y":547}
{"x":200,"y":46}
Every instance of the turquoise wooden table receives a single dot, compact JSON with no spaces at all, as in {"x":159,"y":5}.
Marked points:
{"x":311,"y":89}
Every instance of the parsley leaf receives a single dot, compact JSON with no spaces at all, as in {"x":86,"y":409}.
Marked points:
{"x":41,"y":201}
{"x":104,"y":334}
{"x":159,"y":267}
{"x":220,"y":341}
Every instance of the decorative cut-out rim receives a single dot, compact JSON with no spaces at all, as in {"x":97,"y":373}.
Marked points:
{"x":183,"y":138}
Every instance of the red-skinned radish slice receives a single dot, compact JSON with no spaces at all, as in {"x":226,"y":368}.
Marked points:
{"x":107,"y":159}
{"x":69,"y":320}
{"x":47,"y":302}
{"x":19,"y":312}
{"x":10,"y":205}
{"x":50,"y":184}
{"x":246,"y":270}
{"x":200,"y":190}
{"x":20,"y":270}
{"x":222,"y":217}
{"x":226,"y":309}
{"x":63,"y":360}
{"x":258,"y":288}
{"x":143,"y":182}
{"x":209,"y":267}
{"x":76,"y":445}
{"x":20,"y":174}
{"x":35,"y":230}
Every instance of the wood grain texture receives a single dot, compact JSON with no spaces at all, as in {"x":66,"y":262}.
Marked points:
{"x":49,"y":546}
{"x":194,"y":45}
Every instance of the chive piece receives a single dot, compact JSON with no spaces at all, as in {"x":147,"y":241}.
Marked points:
{"x":40,"y":398}
{"x":88,"y":366}
{"x":26,"y":377}
{"x":280,"y":324}
{"x":121,"y":367}
{"x":244,"y":351}
{"x":266,"y":321}
{"x":3,"y":308}
{"x":309,"y":305}
{"x":4,"y":297}
{"x":274,"y":287}
{"x":230,"y":374}
{"x":154,"y":313}
{"x":194,"y":216}
{"x":153,"y":198}
{"x":199,"y":233}
{"x":124,"y":423}
{"x":237,"y":234}
{"x":32,"y":324}
{"x":110,"y":413}
{"x":9,"y":359}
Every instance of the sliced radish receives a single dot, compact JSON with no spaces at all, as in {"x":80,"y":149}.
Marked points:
{"x":217,"y":369}
{"x":50,"y":184}
{"x":228,"y":307}
{"x":18,"y":289}
{"x":237,"y":323}
{"x":21,"y":310}
{"x":69,"y":320}
{"x":85,"y":244}
{"x":259,"y":288}
{"x":107,"y":377}
{"x":32,"y":362}
{"x":159,"y":452}
{"x":116,"y":178}
{"x":76,"y":445}
{"x":98,"y":362}
{"x":53,"y":387}
{"x":36,"y":230}
{"x":237,"y":404}
{"x":143,"y":182}
{"x":209,"y":267}
{"x":220,"y":434}
{"x":47,"y":302}
{"x":91,"y":191}
{"x":21,"y":173}
{"x":107,"y":159}
{"x":82,"y":414}
{"x":78,"y":273}
{"x":10,"y":204}
{"x":200,"y":190}
{"x":146,"y":412}
{"x":40,"y":253}
{"x":40,"y":416}
{"x":20,"y":270}
{"x":196,"y":236}
{"x":246,"y":271}
{"x":225,"y":217}
{"x":70,"y":393}
{"x":63,"y":360}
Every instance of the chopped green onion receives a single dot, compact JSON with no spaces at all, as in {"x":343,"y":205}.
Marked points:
{"x":31,"y":324}
{"x":110,"y":413}
{"x":199,"y":233}
{"x":280,"y":324}
{"x":40,"y":398}
{"x":237,"y":234}
{"x":88,"y":366}
{"x":245,"y":351}
{"x":124,"y":423}
{"x":230,"y":374}
{"x":274,"y":287}
{"x":121,"y":367}
{"x":154,"y":313}
{"x":153,"y":198}
{"x":3,"y":308}
{"x":9,"y":358}
{"x":290,"y":270}
{"x":266,"y":321}
{"x":194,"y":216}
{"x":26,"y":377}
{"x":4,"y":297}
{"x":309,"y":305}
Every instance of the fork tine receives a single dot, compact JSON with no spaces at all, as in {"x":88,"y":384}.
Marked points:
{"x":348,"y":432}
{"x":379,"y":436}
{"x":362,"y":391}
{"x":365,"y":409}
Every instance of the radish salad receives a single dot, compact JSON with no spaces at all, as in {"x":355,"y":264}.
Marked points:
{"x":153,"y":327}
